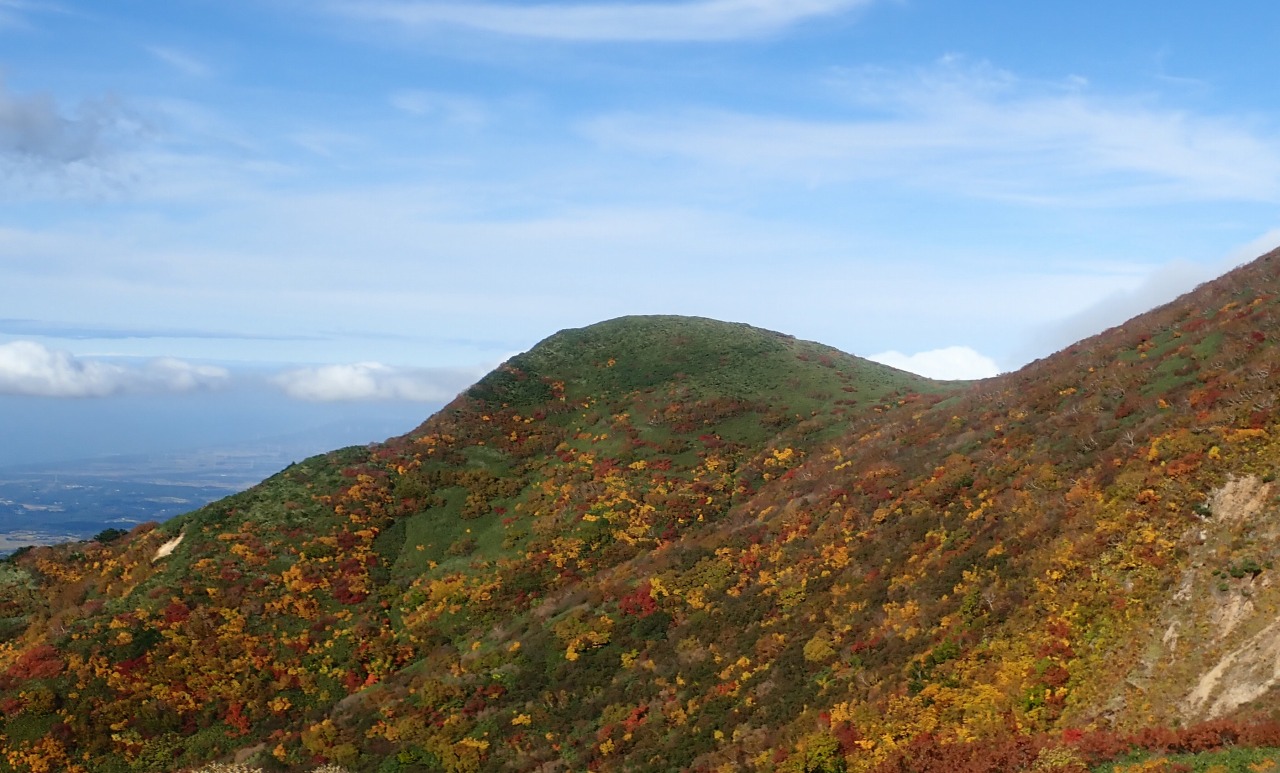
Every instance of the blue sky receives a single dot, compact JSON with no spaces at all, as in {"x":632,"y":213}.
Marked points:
{"x":350,"y":200}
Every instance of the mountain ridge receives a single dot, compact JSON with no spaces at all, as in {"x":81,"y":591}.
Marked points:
{"x":666,"y":542}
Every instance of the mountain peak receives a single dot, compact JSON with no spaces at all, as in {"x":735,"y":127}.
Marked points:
{"x":723,"y":359}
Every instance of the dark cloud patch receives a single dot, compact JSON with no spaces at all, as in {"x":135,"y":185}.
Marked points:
{"x":34,"y":130}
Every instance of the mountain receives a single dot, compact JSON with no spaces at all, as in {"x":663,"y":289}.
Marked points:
{"x":664,"y":543}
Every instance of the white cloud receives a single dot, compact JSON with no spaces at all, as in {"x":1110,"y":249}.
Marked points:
{"x":951,"y":363}
{"x":702,"y":20}
{"x":181,"y":61}
{"x":29,"y":368}
{"x":373,"y":381}
{"x":169,"y":374}
{"x":979,"y":132}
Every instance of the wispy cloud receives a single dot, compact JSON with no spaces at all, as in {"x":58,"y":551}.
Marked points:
{"x":373,"y":381}
{"x":13,"y":13}
{"x":29,"y":368}
{"x":181,"y":61}
{"x":434,"y":104}
{"x":74,"y":331}
{"x":977,"y":131}
{"x":702,"y":20}
{"x":948,"y":364}
{"x":326,"y":144}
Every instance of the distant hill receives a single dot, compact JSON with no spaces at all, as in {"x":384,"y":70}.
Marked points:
{"x":664,"y":543}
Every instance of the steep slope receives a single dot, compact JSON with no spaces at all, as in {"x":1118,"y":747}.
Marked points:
{"x":661,"y":544}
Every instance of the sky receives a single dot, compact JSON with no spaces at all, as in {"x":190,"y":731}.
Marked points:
{"x":346,"y":202}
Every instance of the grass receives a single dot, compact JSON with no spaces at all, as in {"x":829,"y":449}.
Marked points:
{"x":1165,"y":380}
{"x":1209,"y":346}
{"x":706,"y":358}
{"x":429,"y":535}
{"x":1238,"y":760}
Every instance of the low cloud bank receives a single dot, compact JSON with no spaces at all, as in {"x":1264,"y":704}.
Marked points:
{"x":33,"y":369}
{"x":1161,"y":286}
{"x":30,"y":368}
{"x":948,"y":364}
{"x":1164,"y":284}
{"x":373,"y":381}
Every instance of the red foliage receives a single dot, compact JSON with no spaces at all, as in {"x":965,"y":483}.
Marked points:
{"x":847,"y":736}
{"x":1205,"y":398}
{"x":1055,"y":676}
{"x":127,"y":667}
{"x":176,"y":612}
{"x":343,"y":593}
{"x":236,"y":718}
{"x":352,"y":681}
{"x":640,"y":602}
{"x":41,"y":662}
{"x":636,"y":718}
{"x":866,"y":644}
{"x":1263,"y":733}
{"x":929,"y":754}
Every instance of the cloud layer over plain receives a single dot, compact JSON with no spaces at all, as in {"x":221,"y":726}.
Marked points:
{"x":373,"y":381}
{"x":29,"y":368}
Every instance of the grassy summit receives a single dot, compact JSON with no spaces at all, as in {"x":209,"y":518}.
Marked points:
{"x":707,"y":357}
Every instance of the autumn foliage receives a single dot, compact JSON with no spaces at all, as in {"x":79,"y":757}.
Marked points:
{"x":663,"y":543}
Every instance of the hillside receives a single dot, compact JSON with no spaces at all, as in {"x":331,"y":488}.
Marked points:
{"x":662,"y":543}
{"x":375,"y":570}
